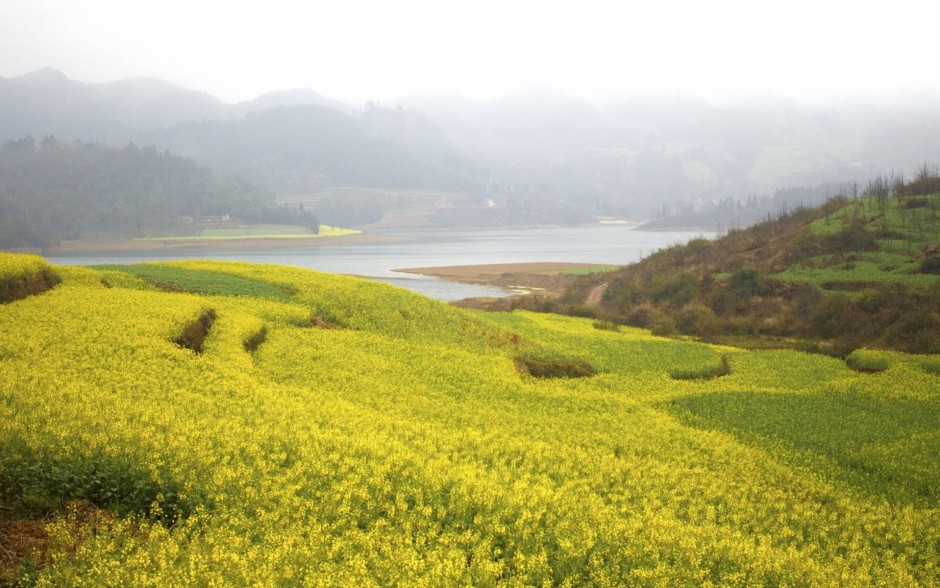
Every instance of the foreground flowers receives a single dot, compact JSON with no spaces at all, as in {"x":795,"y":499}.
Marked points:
{"x":403,"y":446}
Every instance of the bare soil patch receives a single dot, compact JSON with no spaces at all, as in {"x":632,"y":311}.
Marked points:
{"x":543,"y":276}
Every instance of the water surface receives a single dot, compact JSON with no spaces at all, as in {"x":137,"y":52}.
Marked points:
{"x":616,"y":245}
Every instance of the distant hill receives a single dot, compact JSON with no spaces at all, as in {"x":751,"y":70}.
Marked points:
{"x":54,"y":191}
{"x":853,"y":272}
{"x":290,"y":142}
{"x":635,"y":156}
{"x":293,"y":97}
{"x":303,"y":148}
{"x":536,"y":156}
{"x":46,"y":102}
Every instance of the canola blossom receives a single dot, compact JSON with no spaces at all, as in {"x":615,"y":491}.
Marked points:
{"x":374,"y":437}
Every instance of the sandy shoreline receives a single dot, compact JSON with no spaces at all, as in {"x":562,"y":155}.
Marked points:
{"x":496,"y":269}
{"x":542,"y":276}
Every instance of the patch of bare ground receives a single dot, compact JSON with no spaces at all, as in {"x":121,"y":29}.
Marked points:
{"x":23,"y":537}
{"x":195,"y":333}
{"x":27,"y":284}
{"x":535,"y":279}
{"x":25,"y":541}
{"x":596,"y":294}
{"x":545,"y":368}
{"x":254,"y":341}
{"x":322,"y":322}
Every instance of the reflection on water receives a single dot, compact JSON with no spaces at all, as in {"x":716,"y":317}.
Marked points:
{"x":593,"y":244}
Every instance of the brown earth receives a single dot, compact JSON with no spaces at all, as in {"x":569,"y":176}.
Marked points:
{"x":543,"y":279}
{"x":542,"y":276}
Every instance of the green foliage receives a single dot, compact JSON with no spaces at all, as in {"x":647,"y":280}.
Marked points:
{"x":59,"y":191}
{"x":723,"y":368}
{"x":675,"y":290}
{"x":847,"y":435}
{"x":405,"y":448}
{"x":850,"y":273}
{"x":697,"y":319}
{"x":587,"y":271}
{"x":866,"y":361}
{"x":606,"y":325}
{"x":553,"y":368}
{"x":23,"y":275}
{"x":202,"y":281}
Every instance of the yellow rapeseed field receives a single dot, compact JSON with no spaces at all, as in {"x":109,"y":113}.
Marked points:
{"x":375,"y":437}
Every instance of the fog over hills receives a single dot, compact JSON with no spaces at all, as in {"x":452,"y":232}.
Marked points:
{"x":640,"y":157}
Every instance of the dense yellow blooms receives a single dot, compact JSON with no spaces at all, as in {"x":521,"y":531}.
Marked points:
{"x":15,"y":264}
{"x":405,"y":449}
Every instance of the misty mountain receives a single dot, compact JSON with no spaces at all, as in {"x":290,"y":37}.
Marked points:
{"x":289,"y":141}
{"x":46,"y":102}
{"x":636,"y":154}
{"x":293,"y":97}
{"x":634,"y":157}
{"x":302,"y":149}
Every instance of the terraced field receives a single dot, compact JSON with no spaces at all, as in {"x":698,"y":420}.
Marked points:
{"x":216,"y":424}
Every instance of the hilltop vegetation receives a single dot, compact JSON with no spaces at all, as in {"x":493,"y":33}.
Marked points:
{"x":55,"y":191}
{"x":853,"y":272}
{"x":210,"y":423}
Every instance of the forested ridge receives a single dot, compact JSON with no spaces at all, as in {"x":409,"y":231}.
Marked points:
{"x":52,"y":190}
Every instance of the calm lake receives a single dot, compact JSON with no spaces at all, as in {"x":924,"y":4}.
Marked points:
{"x":602,"y":244}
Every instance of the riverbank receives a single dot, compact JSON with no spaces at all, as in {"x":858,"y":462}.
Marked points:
{"x":101,"y":245}
{"x":546,"y":277}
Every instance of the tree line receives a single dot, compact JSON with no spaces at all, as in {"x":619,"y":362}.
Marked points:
{"x":52,"y":190}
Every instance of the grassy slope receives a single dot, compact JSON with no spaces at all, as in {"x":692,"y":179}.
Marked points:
{"x":404,"y":447}
{"x":844,"y":275}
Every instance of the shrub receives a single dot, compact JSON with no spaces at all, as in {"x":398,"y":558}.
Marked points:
{"x":722,"y":369}
{"x":603,"y":325}
{"x":676,"y":291}
{"x":544,"y":368}
{"x":866,"y":361}
{"x":827,"y":319}
{"x":642,"y":316}
{"x":930,"y":265}
{"x":254,"y":341}
{"x":852,"y":237}
{"x":195,"y":333}
{"x":697,"y":319}
{"x":663,"y":327}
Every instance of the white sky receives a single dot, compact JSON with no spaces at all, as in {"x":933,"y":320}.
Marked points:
{"x":357,"y":50}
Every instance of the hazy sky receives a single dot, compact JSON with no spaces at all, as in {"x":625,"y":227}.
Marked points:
{"x":356,"y":50}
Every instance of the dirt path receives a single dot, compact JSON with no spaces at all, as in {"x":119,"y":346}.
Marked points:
{"x":596,"y":293}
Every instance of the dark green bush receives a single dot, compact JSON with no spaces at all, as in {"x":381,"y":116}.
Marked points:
{"x":548,"y":368}
{"x":195,"y":333}
{"x":603,"y":325}
{"x":722,"y":369}
{"x":697,"y":319}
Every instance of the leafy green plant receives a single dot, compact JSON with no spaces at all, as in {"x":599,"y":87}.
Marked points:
{"x":174,"y":278}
